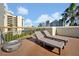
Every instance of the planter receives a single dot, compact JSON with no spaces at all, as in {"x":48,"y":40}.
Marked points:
{"x":12,"y":45}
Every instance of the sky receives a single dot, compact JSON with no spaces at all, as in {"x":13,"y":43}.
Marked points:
{"x":35,"y":13}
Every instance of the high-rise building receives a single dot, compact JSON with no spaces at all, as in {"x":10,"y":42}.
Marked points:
{"x":54,"y":23}
{"x":19,"y":23}
{"x":47,"y":23}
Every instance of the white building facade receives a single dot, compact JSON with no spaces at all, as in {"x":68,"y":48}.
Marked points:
{"x":7,"y":19}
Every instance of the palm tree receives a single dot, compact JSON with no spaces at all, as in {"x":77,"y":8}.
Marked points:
{"x":72,"y":20}
{"x":64,"y":18}
{"x":77,"y":12}
{"x":69,"y":13}
{"x":65,"y":15}
{"x":72,"y":8}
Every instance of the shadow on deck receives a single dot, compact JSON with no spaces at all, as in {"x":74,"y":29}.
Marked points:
{"x":32,"y":48}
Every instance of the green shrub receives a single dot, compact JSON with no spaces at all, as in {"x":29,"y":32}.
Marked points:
{"x":10,"y":36}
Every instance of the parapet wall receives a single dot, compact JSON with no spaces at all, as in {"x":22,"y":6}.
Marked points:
{"x":72,"y":31}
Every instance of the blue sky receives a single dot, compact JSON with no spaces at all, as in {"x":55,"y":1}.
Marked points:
{"x":34,"y":13}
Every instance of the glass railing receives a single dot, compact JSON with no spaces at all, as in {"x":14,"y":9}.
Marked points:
{"x":20,"y":33}
{"x":15,"y":34}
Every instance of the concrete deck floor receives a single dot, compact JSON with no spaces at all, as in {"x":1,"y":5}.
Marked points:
{"x":29,"y":48}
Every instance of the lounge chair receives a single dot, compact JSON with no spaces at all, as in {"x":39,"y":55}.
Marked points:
{"x":56,"y":37}
{"x":47,"y":41}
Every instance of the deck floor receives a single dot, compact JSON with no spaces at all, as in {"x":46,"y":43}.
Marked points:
{"x":30,"y":48}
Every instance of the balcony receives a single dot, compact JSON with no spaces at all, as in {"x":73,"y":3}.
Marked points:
{"x":30,"y":47}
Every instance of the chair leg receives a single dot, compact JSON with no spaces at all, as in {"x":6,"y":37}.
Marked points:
{"x":65,"y":43}
{"x":63,"y":47}
{"x":43,"y":44}
{"x":59,"y":51}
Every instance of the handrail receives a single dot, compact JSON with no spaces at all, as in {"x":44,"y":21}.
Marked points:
{"x":39,"y":27}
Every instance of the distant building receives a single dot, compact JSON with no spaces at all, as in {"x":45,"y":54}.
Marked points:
{"x":60,"y":22}
{"x":47,"y":23}
{"x":42,"y":25}
{"x":51,"y":24}
{"x":54,"y":23}
{"x":57,"y":23}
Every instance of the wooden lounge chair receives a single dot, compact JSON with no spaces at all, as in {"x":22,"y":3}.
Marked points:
{"x":47,"y":41}
{"x":56,"y":37}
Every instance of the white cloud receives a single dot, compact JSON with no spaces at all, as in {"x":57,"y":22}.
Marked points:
{"x":21,"y":10}
{"x":44,"y":18}
{"x":57,"y":15}
{"x":28,"y":23}
{"x":7,"y":8}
